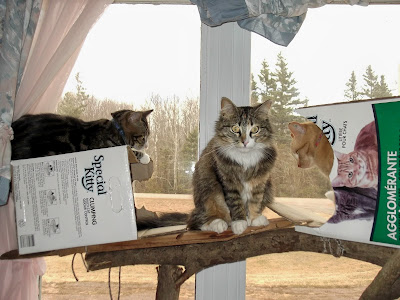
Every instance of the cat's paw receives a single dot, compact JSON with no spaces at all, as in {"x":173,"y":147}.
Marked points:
{"x":260,"y":221}
{"x":217,"y":225}
{"x":239,"y":226}
{"x":145,"y":159}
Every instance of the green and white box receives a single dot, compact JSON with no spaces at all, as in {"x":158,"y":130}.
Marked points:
{"x":72,"y":200}
{"x":366,"y":133}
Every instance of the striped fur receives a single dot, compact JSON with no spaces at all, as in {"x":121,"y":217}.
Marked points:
{"x":51,"y":134}
{"x":231,"y":182}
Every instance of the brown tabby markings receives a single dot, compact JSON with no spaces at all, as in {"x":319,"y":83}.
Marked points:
{"x":311,"y":147}
{"x":51,"y":134}
{"x":231,"y":183}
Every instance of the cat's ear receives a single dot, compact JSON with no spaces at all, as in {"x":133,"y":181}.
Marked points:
{"x":339,"y":155}
{"x":146,"y":113}
{"x":135,"y":116}
{"x":263,"y":108}
{"x":228,"y":108}
{"x":297,"y":129}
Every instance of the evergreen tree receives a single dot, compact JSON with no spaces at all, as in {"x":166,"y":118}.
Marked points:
{"x":285,"y":96}
{"x":371,"y":86}
{"x":351,"y":93}
{"x":383,"y":89}
{"x":190,"y":148}
{"x":254,"y":91}
{"x":267,"y":82}
{"x":74,"y":104}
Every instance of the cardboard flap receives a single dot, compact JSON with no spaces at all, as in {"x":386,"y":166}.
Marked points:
{"x":131,"y":156}
{"x":141,"y":172}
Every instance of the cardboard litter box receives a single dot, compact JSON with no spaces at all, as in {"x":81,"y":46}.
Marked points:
{"x":76,"y":199}
{"x":368,"y":210}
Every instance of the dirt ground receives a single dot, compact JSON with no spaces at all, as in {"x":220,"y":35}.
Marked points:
{"x":295,"y":275}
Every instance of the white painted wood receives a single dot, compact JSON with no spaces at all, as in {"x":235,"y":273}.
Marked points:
{"x":225,"y":71}
{"x":222,"y":282}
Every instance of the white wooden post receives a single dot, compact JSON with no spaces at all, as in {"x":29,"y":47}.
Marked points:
{"x":225,"y":71}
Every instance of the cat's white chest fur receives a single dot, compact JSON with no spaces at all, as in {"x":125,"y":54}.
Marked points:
{"x":245,"y":157}
{"x":246,"y":193}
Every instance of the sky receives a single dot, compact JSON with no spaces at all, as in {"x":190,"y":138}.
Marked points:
{"x":135,"y":51}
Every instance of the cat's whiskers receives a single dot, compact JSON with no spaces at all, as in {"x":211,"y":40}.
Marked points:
{"x":219,"y":149}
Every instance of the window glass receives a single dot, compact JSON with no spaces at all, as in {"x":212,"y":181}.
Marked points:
{"x":139,"y":57}
{"x":341,"y":53}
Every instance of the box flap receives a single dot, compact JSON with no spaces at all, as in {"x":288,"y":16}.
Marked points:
{"x":141,"y":172}
{"x":131,"y":156}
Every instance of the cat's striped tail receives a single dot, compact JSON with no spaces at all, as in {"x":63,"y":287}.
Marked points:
{"x":162,"y":220}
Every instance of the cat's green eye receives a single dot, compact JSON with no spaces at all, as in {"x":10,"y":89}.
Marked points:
{"x":255,"y":129}
{"x":350,"y":174}
{"x":235,"y":129}
{"x":351,"y":160}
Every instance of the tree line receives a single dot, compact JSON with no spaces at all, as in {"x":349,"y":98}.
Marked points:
{"x":374,"y":86}
{"x":174,"y":126}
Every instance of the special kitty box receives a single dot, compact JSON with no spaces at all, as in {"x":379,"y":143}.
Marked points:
{"x":77,"y":199}
{"x":365,"y":137}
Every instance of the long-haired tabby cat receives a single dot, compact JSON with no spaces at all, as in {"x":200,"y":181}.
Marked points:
{"x":311,"y":147}
{"x":231,"y":182}
{"x":51,"y":134}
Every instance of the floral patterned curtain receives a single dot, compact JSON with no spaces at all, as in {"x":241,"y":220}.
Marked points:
{"x":18,"y":20}
{"x":277,"y":20}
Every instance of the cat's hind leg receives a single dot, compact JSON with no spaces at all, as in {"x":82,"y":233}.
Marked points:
{"x":216,"y":225}
{"x":212,"y":215}
{"x":260,"y":221}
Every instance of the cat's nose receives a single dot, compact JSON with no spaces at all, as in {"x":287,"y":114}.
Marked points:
{"x":245,"y":143}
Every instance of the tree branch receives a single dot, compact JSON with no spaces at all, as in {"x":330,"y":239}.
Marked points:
{"x":203,"y":255}
{"x":386,"y":283}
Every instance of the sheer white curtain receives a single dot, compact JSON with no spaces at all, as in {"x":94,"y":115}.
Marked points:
{"x":61,"y":30}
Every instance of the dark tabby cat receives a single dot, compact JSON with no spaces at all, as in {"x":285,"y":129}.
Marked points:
{"x":354,"y":203}
{"x":231,"y":182}
{"x":51,"y":134}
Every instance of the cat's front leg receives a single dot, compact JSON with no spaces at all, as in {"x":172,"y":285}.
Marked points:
{"x":238,"y":212}
{"x":261,"y":194}
{"x":255,"y":209}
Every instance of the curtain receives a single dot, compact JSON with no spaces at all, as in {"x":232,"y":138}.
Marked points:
{"x":277,"y":20}
{"x":17,"y":24}
{"x":39,"y":43}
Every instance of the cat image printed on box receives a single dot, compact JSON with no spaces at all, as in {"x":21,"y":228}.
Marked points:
{"x":365,"y":199}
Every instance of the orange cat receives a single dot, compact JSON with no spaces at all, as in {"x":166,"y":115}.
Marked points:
{"x":311,"y":147}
